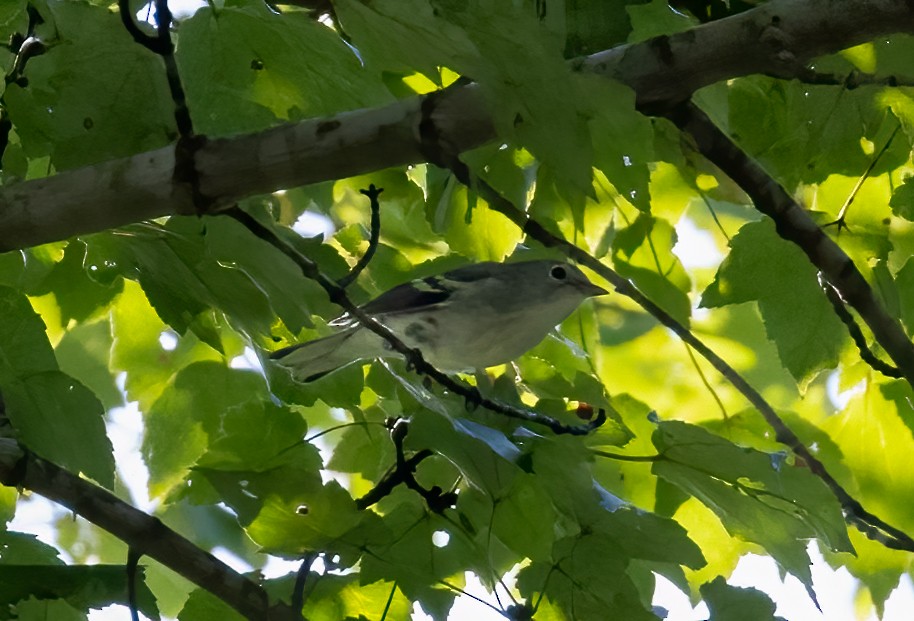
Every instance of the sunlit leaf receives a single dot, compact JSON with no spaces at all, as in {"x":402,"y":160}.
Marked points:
{"x":748,"y":489}
{"x":52,"y":413}
{"x":732,"y":603}
{"x":798,"y":318}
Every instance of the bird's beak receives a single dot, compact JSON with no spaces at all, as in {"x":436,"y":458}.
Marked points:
{"x":591,"y":289}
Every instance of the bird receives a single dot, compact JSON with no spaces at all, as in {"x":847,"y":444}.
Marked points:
{"x":469,"y":318}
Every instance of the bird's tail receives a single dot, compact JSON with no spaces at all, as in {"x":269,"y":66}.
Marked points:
{"x":314,"y":359}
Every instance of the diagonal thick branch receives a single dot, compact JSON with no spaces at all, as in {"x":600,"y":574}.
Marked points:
{"x":795,"y":225}
{"x":777,"y":37}
{"x":142,"y":533}
{"x":856,"y":334}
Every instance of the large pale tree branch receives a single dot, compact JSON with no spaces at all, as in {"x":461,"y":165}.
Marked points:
{"x":775,"y":38}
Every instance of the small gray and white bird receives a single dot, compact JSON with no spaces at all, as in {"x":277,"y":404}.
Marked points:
{"x":469,"y":318}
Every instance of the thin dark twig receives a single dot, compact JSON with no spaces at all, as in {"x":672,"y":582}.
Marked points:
{"x":706,"y":383}
{"x":182,"y":112}
{"x":133,"y":559}
{"x":713,"y":212}
{"x":839,"y":222}
{"x":25,"y":48}
{"x":413,"y":357}
{"x":162,"y":45}
{"x":542,"y":590}
{"x":866,"y":354}
{"x":852,"y":80}
{"x":361,"y":423}
{"x":621,"y":457}
{"x":139,"y":35}
{"x":404,"y":472}
{"x":457,"y":589}
{"x":393,"y":478}
{"x":437,"y":499}
{"x":372,"y":193}
{"x":390,"y":600}
{"x":301,"y":577}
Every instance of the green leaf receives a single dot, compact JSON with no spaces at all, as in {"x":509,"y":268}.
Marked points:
{"x":286,"y":508}
{"x":259,"y":465}
{"x":23,"y":548}
{"x":266,"y":64}
{"x":527,"y":503}
{"x":730,"y":603}
{"x":654,"y":18}
{"x":475,"y":231}
{"x":60,"y":113}
{"x":587,"y":580}
{"x":870,"y":435}
{"x":648,"y":537}
{"x":342,"y":597}
{"x":12,"y":266}
{"x":40,"y":610}
{"x":323,"y":518}
{"x":798,"y":318}
{"x":82,"y":587}
{"x":403,"y":550}
{"x":204,"y":606}
{"x":622,"y":140}
{"x":251,"y":435}
{"x":365,"y":449}
{"x":904,"y":285}
{"x":902,"y":202}
{"x":25,"y":348}
{"x":804,"y":133}
{"x":79,"y":296}
{"x":61,"y":420}
{"x":402,"y":36}
{"x":870,"y":225}
{"x":138,"y":350}
{"x":83,"y":353}
{"x":289,"y":293}
{"x":182,"y":280}
{"x":13,"y":18}
{"x":8,"y":498}
{"x":516,"y":61}
{"x":191,"y":408}
{"x":643,"y":252}
{"x":594,"y":25}
{"x":53,"y":414}
{"x":485,"y":455}
{"x":758,"y":496}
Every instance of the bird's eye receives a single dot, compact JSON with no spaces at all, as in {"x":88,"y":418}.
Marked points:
{"x":558,"y":272}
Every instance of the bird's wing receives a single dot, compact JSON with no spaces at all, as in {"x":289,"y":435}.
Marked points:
{"x":422,"y":292}
{"x":410,"y":296}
